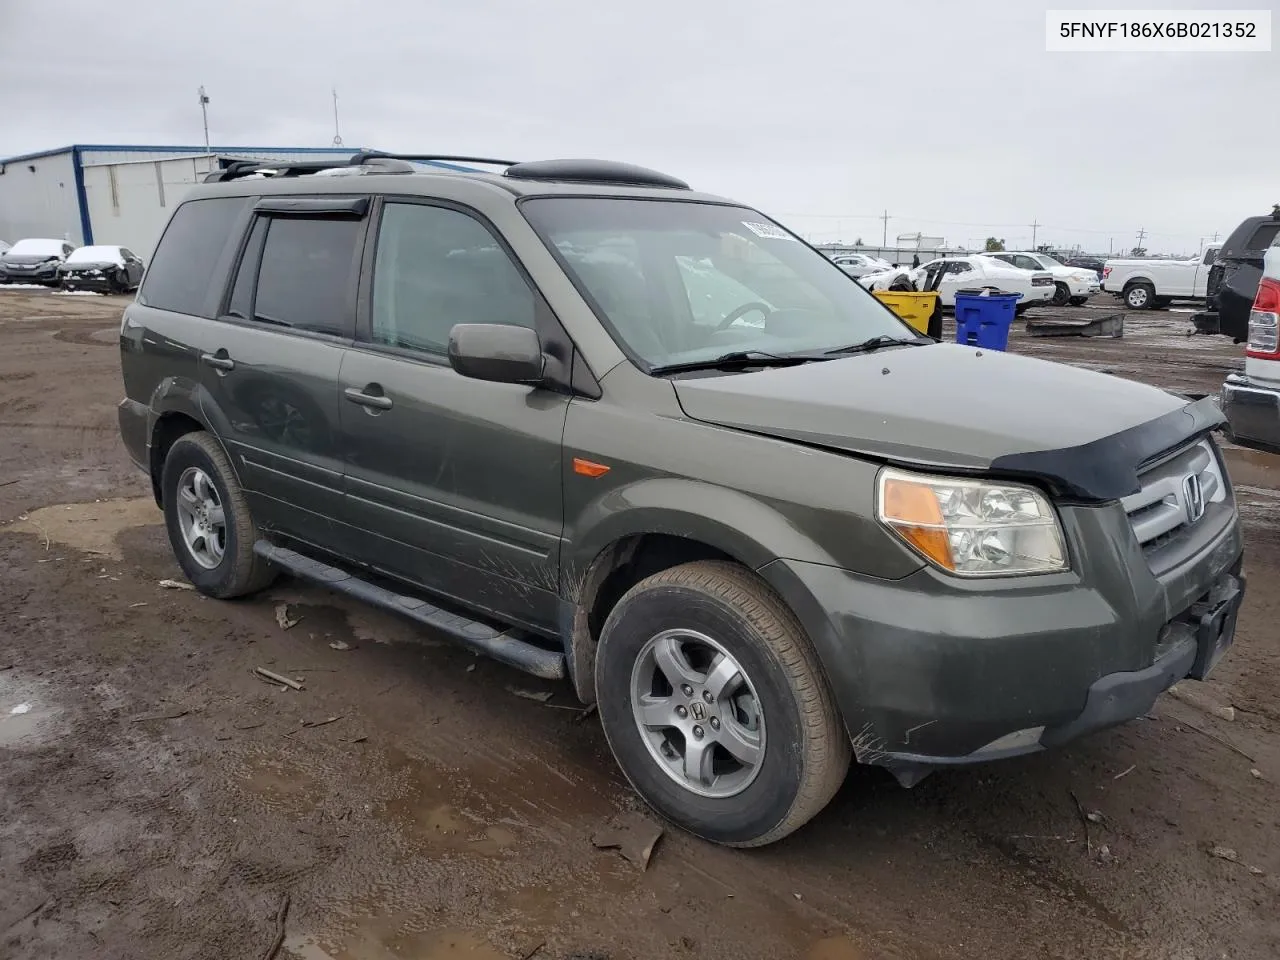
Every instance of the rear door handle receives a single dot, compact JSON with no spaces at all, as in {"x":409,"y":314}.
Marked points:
{"x":218,"y":362}
{"x":373,"y":400}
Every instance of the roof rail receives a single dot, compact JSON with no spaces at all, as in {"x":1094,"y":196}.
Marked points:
{"x":367,"y":155}
{"x":593,"y":171}
{"x":237,"y":169}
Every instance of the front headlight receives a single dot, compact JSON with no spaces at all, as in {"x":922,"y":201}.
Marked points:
{"x":972,"y":528}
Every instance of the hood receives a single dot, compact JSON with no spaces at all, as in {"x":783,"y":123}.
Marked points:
{"x":67,"y":267}
{"x":951,"y":407}
{"x":29,"y":258}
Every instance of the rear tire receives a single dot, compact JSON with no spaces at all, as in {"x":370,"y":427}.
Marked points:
{"x":217,"y":557}
{"x":1139,"y":296}
{"x":772,"y":746}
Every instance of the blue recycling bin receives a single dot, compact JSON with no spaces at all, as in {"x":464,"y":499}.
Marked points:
{"x":984,"y":319}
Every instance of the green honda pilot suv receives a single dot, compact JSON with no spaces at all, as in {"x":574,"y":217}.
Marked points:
{"x":599,"y":426}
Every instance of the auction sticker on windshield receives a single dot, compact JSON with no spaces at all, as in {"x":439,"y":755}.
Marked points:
{"x":767,"y":230}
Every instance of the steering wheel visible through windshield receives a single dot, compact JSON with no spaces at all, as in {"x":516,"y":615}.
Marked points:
{"x":680,"y":281}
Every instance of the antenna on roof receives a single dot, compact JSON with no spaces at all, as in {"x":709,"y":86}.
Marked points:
{"x":337,"y":134}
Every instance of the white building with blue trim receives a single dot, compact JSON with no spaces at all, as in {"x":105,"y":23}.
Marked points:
{"x":98,"y":193}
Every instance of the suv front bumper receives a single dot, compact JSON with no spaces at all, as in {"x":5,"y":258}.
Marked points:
{"x":930,"y":671}
{"x":1253,"y":413}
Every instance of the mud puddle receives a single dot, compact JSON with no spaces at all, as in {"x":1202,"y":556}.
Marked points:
{"x":373,"y":941}
{"x":27,"y":716}
{"x":89,"y":527}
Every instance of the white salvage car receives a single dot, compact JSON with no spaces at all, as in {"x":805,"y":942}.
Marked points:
{"x":1072,"y":285}
{"x":962,"y":273}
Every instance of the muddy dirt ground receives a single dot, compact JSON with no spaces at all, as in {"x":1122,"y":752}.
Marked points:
{"x":158,"y":800}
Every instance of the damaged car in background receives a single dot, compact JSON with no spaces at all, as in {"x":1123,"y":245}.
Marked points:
{"x":949,"y":275}
{"x":34,"y":260}
{"x":1233,"y":278}
{"x":105,"y":269}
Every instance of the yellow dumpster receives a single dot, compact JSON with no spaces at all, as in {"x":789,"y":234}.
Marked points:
{"x":914,"y":308}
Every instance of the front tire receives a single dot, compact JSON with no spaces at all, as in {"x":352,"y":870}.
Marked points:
{"x":715,"y":706}
{"x":1139,"y":296}
{"x":1061,"y":294}
{"x":210,"y":528}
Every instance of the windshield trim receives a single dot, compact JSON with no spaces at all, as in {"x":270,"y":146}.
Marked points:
{"x":602,"y":315}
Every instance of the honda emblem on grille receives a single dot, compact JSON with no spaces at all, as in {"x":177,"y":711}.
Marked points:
{"x":1193,"y":496}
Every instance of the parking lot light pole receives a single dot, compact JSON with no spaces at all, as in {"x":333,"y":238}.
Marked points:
{"x":204,"y":113}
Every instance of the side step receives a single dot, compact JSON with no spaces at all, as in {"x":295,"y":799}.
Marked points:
{"x":505,"y":646}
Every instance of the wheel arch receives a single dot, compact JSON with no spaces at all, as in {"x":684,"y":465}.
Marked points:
{"x":670,"y":523}
{"x":176,"y":411}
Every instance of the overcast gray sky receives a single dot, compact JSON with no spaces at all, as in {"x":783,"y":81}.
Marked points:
{"x":824,"y":113}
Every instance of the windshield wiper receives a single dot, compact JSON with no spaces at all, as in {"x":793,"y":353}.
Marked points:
{"x":737,"y":360}
{"x":876,"y":342}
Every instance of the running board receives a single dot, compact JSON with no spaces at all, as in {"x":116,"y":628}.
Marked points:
{"x":505,"y":646}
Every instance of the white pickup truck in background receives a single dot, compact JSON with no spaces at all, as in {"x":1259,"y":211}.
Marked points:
{"x":1252,"y":401}
{"x":1149,"y":284}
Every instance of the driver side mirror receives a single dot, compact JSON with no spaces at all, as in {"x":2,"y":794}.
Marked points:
{"x":497,"y":352}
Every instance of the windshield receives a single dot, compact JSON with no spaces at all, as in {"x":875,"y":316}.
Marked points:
{"x":1048,"y":261}
{"x":678,"y":282}
{"x":36,"y":248}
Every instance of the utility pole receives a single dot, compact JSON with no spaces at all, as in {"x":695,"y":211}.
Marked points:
{"x":1215,"y":236}
{"x":1142,"y":235}
{"x":337,"y":133}
{"x":884,"y":238}
{"x":1034,"y":226}
{"x":204,"y":112}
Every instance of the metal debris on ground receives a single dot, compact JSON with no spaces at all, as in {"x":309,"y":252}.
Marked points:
{"x":321,"y":723}
{"x":162,"y":716}
{"x":1125,"y":772}
{"x":585,"y":714}
{"x":285,"y":621}
{"x":277,"y":678}
{"x":1217,"y":739}
{"x":175,"y":585}
{"x":1084,"y":820}
{"x":1256,"y":774}
{"x":1112,"y":326}
{"x":1093,"y":816}
{"x":541,"y":696}
{"x":339,"y":645}
{"x":633,"y":835}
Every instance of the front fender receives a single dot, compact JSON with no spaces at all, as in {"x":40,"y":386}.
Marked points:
{"x":744,"y":527}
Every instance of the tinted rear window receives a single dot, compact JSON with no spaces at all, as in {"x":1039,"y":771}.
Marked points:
{"x":1264,"y":236}
{"x":183,"y":265}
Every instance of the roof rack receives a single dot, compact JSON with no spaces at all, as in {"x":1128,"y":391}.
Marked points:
{"x":564,"y":171}
{"x":237,"y":169}
{"x":366,"y":155}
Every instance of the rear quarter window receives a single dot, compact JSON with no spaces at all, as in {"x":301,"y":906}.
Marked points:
{"x":183,"y":266}
{"x":1264,"y":236}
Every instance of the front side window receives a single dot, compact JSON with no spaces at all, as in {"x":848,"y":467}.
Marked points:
{"x":681,"y":282}
{"x":436,"y":267}
{"x":307,"y":272}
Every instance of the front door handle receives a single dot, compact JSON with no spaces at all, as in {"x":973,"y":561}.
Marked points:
{"x":219,"y":361}
{"x":375,"y":401}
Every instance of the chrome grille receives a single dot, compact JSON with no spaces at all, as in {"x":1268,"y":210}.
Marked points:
{"x":1166,"y":504}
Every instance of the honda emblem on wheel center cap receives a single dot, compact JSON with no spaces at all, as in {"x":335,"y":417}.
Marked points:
{"x":698,"y":710}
